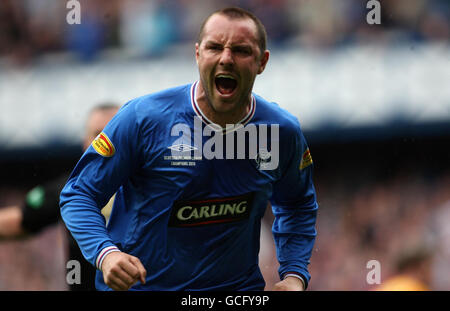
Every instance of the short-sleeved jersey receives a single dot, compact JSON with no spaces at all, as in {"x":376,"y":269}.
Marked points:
{"x":190,"y":196}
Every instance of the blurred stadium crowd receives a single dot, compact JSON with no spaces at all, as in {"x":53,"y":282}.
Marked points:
{"x":388,"y":202}
{"x":376,"y":202}
{"x":29,"y":28}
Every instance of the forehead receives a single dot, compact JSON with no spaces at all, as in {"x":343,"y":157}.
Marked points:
{"x":230,"y":30}
{"x":98,"y":119}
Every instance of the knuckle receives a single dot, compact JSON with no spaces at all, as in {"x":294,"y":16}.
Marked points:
{"x":108,"y":276}
{"x":110,"y":283}
{"x":114,"y":270}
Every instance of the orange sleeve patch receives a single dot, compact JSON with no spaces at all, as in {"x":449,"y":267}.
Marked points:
{"x":306,"y":159}
{"x":103,"y":145}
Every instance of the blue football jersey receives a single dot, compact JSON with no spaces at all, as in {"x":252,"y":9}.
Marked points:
{"x":190,"y":195}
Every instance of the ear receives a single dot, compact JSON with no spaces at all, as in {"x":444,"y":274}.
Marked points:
{"x":197,"y":51}
{"x":263,"y":61}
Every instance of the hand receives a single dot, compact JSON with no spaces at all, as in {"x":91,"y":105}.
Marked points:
{"x":290,"y":283}
{"x":11,"y":222}
{"x":121,"y":271}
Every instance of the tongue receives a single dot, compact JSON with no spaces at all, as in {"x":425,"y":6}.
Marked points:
{"x":225,"y":86}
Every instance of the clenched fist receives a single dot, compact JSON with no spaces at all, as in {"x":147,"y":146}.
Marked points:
{"x":289,"y":284}
{"x":121,"y":271}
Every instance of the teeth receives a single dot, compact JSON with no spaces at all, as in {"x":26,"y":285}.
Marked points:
{"x":225,"y":76}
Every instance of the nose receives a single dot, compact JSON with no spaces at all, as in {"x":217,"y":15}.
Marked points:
{"x":226,"y":58}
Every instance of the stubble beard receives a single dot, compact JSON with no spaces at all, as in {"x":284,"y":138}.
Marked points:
{"x":242,"y":101}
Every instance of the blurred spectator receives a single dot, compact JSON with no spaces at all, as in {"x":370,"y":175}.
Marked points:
{"x":87,"y":38}
{"x":377,"y":219}
{"x":15,"y":39}
{"x":440,"y":221}
{"x":273,"y":14}
{"x":29,"y":28}
{"x":435,"y":26}
{"x":322,"y":23}
{"x":40,"y":207}
{"x":147,"y":28}
{"x":362,"y":215}
{"x":98,"y":29}
{"x":413,"y":271}
{"x":191,"y":15}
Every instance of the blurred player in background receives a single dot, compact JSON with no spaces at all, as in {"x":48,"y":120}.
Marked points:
{"x":195,"y":224}
{"x":41,"y":205}
{"x":413,"y":271}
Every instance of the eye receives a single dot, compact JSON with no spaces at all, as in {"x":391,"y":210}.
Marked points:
{"x":214,"y":47}
{"x":244,"y":50}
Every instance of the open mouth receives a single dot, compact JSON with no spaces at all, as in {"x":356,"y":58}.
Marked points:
{"x":225,"y":84}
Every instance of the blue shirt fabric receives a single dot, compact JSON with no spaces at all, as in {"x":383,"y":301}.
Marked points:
{"x":159,"y":213}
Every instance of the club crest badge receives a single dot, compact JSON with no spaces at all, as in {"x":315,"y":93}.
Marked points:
{"x":103,"y":145}
{"x":306,"y":159}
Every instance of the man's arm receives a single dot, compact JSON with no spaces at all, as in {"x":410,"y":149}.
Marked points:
{"x":39,"y":209}
{"x":96,"y":177}
{"x":121,"y":271}
{"x":295,"y":207}
{"x":290,"y":283}
{"x":11,"y":222}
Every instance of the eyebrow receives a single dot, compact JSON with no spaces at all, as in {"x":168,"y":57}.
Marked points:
{"x":238,"y":45}
{"x":209,"y":42}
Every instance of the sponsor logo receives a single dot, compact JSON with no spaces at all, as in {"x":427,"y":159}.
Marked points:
{"x":103,"y":145}
{"x":306,"y":159}
{"x":211,"y":211}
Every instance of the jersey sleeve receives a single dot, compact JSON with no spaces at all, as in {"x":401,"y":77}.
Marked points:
{"x":295,"y":207}
{"x":104,"y":166}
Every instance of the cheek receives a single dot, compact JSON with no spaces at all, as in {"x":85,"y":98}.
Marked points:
{"x":249,"y":74}
{"x":203,"y":64}
{"x":207,"y":71}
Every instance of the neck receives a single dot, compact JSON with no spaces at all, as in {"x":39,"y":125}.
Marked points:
{"x":221,"y":118}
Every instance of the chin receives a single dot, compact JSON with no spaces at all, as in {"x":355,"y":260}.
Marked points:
{"x":224,"y":103}
{"x":223,"y":107}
